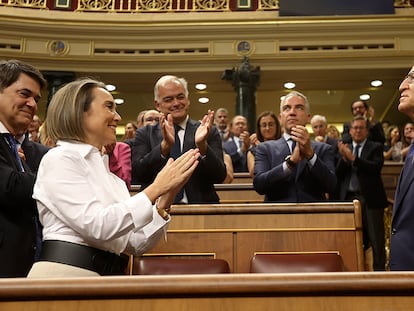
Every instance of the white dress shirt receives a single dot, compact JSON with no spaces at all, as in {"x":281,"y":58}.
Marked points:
{"x":81,"y":201}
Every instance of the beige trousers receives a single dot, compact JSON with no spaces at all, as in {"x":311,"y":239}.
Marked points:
{"x":46,"y":269}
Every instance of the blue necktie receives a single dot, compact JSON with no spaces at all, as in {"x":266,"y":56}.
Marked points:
{"x":175,"y":153}
{"x":13,"y":146}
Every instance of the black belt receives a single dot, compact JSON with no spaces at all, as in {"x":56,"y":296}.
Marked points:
{"x":102,"y":262}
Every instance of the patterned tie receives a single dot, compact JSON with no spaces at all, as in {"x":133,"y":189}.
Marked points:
{"x":175,"y":153}
{"x":176,"y":148}
{"x":354,"y":183}
{"x":13,"y":146}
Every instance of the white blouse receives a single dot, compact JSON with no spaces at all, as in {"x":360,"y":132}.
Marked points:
{"x":81,"y":201}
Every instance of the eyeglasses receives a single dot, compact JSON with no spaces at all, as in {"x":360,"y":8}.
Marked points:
{"x":269,"y":125}
{"x":359,"y":128}
{"x":410,"y":77}
{"x":151,"y":119}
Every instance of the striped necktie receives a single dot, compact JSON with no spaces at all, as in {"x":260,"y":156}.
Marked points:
{"x":13,"y":146}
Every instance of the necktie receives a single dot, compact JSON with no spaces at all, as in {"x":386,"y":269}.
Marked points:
{"x":175,"y":153}
{"x":293,"y":145}
{"x":356,"y":151}
{"x":222,"y":134}
{"x":354,"y":183}
{"x":13,"y":146}
{"x":176,"y":148}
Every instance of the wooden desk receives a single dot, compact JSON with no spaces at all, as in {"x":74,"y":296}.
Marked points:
{"x":234,"y":232}
{"x":242,"y":178}
{"x":228,"y":193}
{"x":368,"y":291}
{"x":238,"y":193}
{"x":390,"y":174}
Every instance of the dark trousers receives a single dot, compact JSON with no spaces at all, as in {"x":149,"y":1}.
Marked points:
{"x":372,"y":230}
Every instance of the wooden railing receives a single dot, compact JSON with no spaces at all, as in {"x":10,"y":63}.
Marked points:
{"x":368,"y":291}
{"x":158,"y":6}
{"x":235,"y":232}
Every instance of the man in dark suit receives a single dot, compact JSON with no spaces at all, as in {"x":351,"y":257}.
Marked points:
{"x":359,"y":177}
{"x":375,"y":129}
{"x":294,"y":168}
{"x":33,"y":153}
{"x":177,"y":133}
{"x":238,"y":143}
{"x":402,"y":227}
{"x":20,"y":87}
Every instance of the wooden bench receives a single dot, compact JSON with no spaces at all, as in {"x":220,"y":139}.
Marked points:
{"x":362,"y":291}
{"x":242,"y":178}
{"x":235,"y":232}
{"x":241,"y":190}
{"x":390,"y":174}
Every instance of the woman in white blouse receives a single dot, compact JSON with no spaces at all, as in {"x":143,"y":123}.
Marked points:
{"x":90,"y":221}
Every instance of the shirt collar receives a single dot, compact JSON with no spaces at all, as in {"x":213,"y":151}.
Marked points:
{"x":286,"y":136}
{"x":183,"y":124}
{"x":82,"y":148}
{"x":361,"y":144}
{"x":3,"y":129}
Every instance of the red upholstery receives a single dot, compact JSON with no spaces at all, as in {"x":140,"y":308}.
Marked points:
{"x":150,"y":265}
{"x":306,"y":262}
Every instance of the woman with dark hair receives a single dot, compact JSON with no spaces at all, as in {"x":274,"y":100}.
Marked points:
{"x":267,"y":128}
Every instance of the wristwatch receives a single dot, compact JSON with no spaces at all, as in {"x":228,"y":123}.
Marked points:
{"x":289,"y":162}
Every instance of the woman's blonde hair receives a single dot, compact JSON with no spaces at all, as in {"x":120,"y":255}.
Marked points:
{"x":64,"y":119}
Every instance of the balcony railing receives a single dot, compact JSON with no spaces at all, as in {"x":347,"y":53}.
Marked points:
{"x":157,"y":6}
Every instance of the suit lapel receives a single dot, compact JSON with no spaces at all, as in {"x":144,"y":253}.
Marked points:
{"x":9,"y":154}
{"x":405,"y":181}
{"x":189,"y":135}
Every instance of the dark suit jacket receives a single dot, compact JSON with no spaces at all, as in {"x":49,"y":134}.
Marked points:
{"x":17,"y":215}
{"x":369,"y":167}
{"x":34,"y":152}
{"x":147,"y":162}
{"x":375,"y":133}
{"x":304,"y":184}
{"x":239,"y":161}
{"x":402,"y":227}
